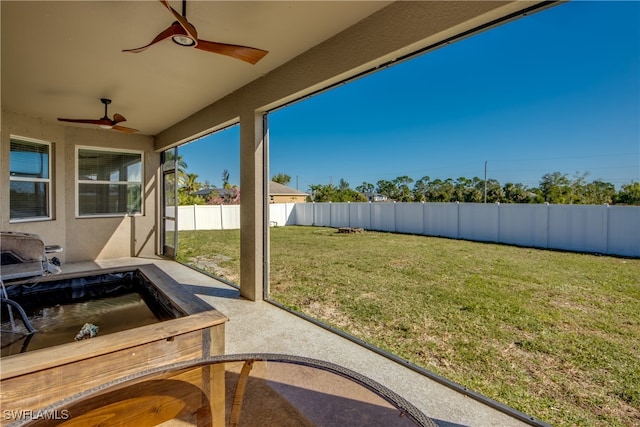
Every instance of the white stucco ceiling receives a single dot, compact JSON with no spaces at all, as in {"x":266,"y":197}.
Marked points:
{"x":60,"y":58}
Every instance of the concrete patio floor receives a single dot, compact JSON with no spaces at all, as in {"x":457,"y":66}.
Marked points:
{"x":261,"y":327}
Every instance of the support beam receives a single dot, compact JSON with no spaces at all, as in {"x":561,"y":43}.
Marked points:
{"x":252,"y":199}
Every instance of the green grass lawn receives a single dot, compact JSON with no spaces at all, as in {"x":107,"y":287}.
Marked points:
{"x":553,"y":334}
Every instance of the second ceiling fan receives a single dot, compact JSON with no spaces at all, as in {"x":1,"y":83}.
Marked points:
{"x":185,"y":34}
{"x":105,"y":122}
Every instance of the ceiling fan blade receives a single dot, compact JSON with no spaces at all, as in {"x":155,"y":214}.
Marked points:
{"x":118,"y":118}
{"x":244,"y":53}
{"x":105,"y":122}
{"x":190,"y":29}
{"x":173,"y":30}
{"x":124,"y":129}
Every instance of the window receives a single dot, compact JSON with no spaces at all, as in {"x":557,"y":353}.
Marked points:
{"x":109,"y":182}
{"x":30,"y":180}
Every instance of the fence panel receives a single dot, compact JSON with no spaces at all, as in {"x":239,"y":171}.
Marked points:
{"x":441,"y":219}
{"x":360,"y":215}
{"x":322,"y":214}
{"x":340,"y":215}
{"x":304,"y":213}
{"x":623,"y":233}
{"x":478,"y":221}
{"x":208,"y":217}
{"x":410,"y":218}
{"x":185,"y":218}
{"x":578,"y":228}
{"x":230,"y":217}
{"x":524,"y":225}
{"x":383,"y":216}
{"x":280,"y":214}
{"x":291,"y":214}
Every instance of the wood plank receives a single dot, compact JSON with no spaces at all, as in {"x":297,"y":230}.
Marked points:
{"x":186,"y":300}
{"x":61,"y":381}
{"x":181,"y":397}
{"x":21,"y":364}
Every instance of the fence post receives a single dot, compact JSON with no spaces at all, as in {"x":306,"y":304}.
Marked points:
{"x":195,"y":218}
{"x":424,"y":218}
{"x":498,"y":223}
{"x":606,"y":228}
{"x":395,"y":216}
{"x":546,"y":226}
{"x":457,"y":219}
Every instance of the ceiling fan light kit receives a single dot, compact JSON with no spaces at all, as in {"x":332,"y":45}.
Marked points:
{"x":183,"y":33}
{"x":183,"y":40}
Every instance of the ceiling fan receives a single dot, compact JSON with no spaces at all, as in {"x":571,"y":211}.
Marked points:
{"x":105,"y":122}
{"x":185,"y":34}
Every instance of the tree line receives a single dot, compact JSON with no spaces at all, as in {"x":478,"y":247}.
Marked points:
{"x":554,"y":188}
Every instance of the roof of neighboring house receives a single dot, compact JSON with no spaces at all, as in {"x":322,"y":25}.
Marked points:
{"x":276,"y":189}
{"x":371,"y":194}
{"x":206,"y":191}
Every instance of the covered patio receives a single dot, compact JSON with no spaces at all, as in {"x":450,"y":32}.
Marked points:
{"x":261,"y":327}
{"x":60,"y":58}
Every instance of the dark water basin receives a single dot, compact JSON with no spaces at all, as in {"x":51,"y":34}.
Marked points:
{"x":59,"y":324}
{"x":58,"y":307}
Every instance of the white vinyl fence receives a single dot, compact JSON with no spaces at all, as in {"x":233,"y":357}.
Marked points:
{"x":605,"y":229}
{"x":227,"y":217}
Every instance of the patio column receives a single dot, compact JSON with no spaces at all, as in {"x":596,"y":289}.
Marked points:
{"x":252,"y":197}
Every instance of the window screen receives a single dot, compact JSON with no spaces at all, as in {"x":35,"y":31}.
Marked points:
{"x":109,"y":182}
{"x":30,"y":182}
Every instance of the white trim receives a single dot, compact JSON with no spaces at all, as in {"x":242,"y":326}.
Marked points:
{"x":107,"y":149}
{"x":101,"y":181}
{"x":49,"y":180}
{"x":28,"y":139}
{"x":20,"y":178}
{"x":79,"y":181}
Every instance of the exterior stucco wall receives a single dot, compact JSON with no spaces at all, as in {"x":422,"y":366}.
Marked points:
{"x":82,"y":238}
{"x":284,"y":198}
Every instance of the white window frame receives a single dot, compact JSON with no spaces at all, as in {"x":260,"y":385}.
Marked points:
{"x":26,"y":179}
{"x":84,"y":181}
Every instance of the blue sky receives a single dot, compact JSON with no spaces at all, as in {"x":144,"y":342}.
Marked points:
{"x":556,"y":91}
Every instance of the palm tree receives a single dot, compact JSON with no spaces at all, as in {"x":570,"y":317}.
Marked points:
{"x":225,"y":178}
{"x":180,"y":165}
{"x":191,"y":184}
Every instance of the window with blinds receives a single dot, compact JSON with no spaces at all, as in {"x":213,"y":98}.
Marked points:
{"x":109,"y":182}
{"x":29,"y":180}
